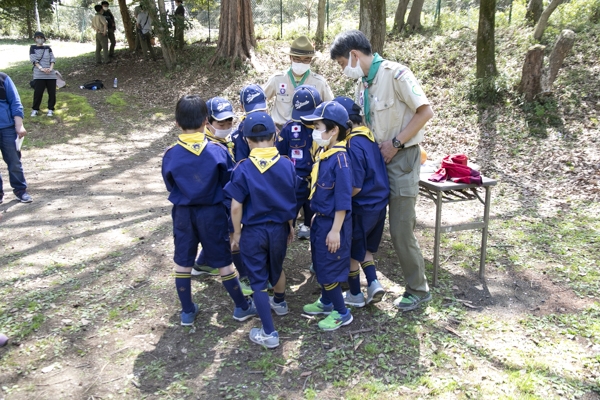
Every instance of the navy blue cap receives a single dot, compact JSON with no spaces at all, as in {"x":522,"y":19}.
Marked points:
{"x":330,"y":110}
{"x":258,"y":118}
{"x":219,"y":108}
{"x":305,"y":100}
{"x":253,"y":98}
{"x":348,"y":104}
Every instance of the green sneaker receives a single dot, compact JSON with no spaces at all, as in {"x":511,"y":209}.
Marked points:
{"x":409,"y":301}
{"x":204,"y":270}
{"x":317,"y":308}
{"x":335,"y":320}
{"x":245,"y":285}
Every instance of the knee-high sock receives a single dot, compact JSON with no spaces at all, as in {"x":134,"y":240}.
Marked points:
{"x":183,"y":284}
{"x":334,"y":291}
{"x":239,"y":264}
{"x":354,"y":281}
{"x":368,"y":268}
{"x":232,"y":285}
{"x":261,"y":301}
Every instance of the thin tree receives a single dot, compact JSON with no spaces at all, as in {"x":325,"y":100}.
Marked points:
{"x":161,"y":29}
{"x":372,"y":22}
{"x":236,"y":33}
{"x":320,"y":35}
{"x":127,"y":23}
{"x":543,"y":22}
{"x":399,"y":17}
{"x":486,"y":56}
{"x":534,"y":11}
{"x":414,"y":16}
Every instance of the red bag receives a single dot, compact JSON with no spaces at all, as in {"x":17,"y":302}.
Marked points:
{"x":455,"y":168}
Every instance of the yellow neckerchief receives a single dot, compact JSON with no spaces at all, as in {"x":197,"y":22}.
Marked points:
{"x":193,"y":142}
{"x":323,"y":155}
{"x":361,"y":130}
{"x":223,"y":141}
{"x":264,"y":158}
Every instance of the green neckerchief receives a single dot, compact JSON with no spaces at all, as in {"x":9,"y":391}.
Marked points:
{"x":377,"y":60}
{"x":293,"y":79}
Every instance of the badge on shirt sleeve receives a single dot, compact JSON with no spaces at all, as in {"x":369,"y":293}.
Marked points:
{"x":282,"y":88}
{"x":297,"y":154}
{"x":361,"y":99}
{"x":296,"y":131}
{"x":401,"y":71}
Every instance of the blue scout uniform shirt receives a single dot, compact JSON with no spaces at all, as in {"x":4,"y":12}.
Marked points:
{"x":240,"y":147}
{"x":223,"y":142}
{"x":295,"y":141}
{"x":196,"y":180}
{"x":266,"y":197}
{"x":368,"y":172}
{"x":333,"y":191}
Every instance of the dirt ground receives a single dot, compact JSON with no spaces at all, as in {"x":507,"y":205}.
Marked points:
{"x":86,"y":281}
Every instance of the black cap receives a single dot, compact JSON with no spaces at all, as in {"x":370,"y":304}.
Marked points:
{"x":39,"y":34}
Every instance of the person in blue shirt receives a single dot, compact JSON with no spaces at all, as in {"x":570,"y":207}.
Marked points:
{"x":370,"y":193}
{"x":252,"y":98}
{"x":195,"y":171}
{"x":11,"y":128}
{"x":295,"y":141}
{"x":262,"y":198}
{"x":331,"y":201}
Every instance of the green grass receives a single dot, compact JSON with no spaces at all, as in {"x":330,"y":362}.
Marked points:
{"x":116,"y":99}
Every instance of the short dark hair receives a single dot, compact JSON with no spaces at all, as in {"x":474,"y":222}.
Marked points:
{"x":329,"y":125}
{"x":349,"y":40}
{"x":264,"y":138}
{"x":105,"y":2}
{"x":190,"y":112}
{"x":98,"y":7}
{"x":356,"y":118}
{"x":211,"y":119}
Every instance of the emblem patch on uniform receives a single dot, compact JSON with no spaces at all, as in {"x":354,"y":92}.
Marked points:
{"x":297,"y":154}
{"x":416,"y":89}
{"x":282,"y":88}
{"x":400,"y":72}
{"x":296,"y":128}
{"x":296,"y":135}
{"x":196,"y":146}
{"x":361,"y":98}
{"x":263,"y":163}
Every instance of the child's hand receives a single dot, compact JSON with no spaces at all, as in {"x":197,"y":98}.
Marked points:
{"x":333,"y":241}
{"x":291,"y":235}
{"x":235,"y":241}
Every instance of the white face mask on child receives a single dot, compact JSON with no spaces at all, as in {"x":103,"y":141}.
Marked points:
{"x":317,"y":136}
{"x":222,"y":133}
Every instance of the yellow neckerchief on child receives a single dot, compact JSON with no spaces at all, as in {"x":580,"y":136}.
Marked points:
{"x":264,"y":158}
{"x":218,"y":140}
{"x":323,"y":155}
{"x":361,"y":130}
{"x":193,"y":142}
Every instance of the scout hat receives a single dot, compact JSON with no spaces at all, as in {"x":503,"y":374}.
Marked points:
{"x":330,"y":110}
{"x":301,"y":47}
{"x":305,"y":100}
{"x":258,"y":118}
{"x":253,"y":98}
{"x":219,"y":108}
{"x":351,"y":107}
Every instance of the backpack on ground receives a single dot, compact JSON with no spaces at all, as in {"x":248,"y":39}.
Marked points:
{"x":93,"y":85}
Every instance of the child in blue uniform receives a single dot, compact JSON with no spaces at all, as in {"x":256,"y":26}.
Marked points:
{"x":295,"y":141}
{"x":199,"y":215}
{"x":331,"y":201}
{"x":252,"y":98}
{"x":262,"y":198}
{"x":370,"y":194}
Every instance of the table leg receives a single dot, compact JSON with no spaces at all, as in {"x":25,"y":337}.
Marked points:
{"x":484,"y":233}
{"x":436,"y":241}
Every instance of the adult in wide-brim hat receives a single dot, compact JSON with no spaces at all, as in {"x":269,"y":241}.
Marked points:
{"x":301,"y":47}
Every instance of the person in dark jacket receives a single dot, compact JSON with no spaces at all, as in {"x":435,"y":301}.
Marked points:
{"x":179,"y":24}
{"x":11,"y":128}
{"x":110,"y":19}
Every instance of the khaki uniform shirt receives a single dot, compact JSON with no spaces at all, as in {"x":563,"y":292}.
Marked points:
{"x":281,"y":86}
{"x":394,"y":97}
{"x":99,"y":23}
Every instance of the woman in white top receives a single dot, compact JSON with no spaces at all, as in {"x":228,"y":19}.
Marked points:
{"x":44,"y":75}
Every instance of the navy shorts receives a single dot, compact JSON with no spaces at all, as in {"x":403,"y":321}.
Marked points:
{"x":206,"y":225}
{"x":367,"y":230}
{"x":330,"y":267}
{"x":263,"y":248}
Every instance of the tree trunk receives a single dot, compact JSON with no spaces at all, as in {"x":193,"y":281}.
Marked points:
{"x":236,"y":32}
{"x":486,"y":48}
{"x":372,"y":23}
{"x":400,"y":13}
{"x":534,"y":11}
{"x":127,"y":24}
{"x":320,"y":35}
{"x":414,"y":16}
{"x":159,"y":23}
{"x":29,"y":24}
{"x":531,"y":78}
{"x":562,"y":47}
{"x":543,"y":22}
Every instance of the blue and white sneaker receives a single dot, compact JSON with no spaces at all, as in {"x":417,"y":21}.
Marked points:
{"x":375,"y":292}
{"x":24,"y":197}
{"x":279,"y":308}
{"x":187,"y":319}
{"x":239,"y":314}
{"x":354,"y":300}
{"x":258,"y":336}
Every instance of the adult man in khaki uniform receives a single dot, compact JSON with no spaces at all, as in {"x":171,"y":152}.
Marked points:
{"x":282,"y":84}
{"x":396,"y":110}
{"x":100,"y":25}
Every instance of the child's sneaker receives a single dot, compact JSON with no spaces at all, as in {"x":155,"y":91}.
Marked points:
{"x":375,"y":292}
{"x":204,"y":270}
{"x":303,"y":232}
{"x":279,"y":308}
{"x":258,"y":336}
{"x":187,"y":319}
{"x":240,"y":314}
{"x":245,"y":285}
{"x":317,"y":308}
{"x":354,"y":300}
{"x":50,"y":113}
{"x":335,"y":320}
{"x":34,"y":113}
{"x":24,"y":197}
{"x":409,"y":301}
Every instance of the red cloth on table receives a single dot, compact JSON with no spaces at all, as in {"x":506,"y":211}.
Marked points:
{"x":455,"y":168}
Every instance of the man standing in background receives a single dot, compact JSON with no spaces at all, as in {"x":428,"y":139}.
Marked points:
{"x":179,"y":24}
{"x":110,"y":20}
{"x":101,"y":27}
{"x":144,"y":28}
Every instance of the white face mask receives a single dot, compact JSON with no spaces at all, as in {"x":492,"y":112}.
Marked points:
{"x":300,"y":68}
{"x":317,"y":136}
{"x":39,"y":41}
{"x":222,"y":133}
{"x":105,"y":8}
{"x":353,"y":72}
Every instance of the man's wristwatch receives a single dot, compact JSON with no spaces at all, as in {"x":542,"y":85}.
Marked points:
{"x":397,"y":144}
